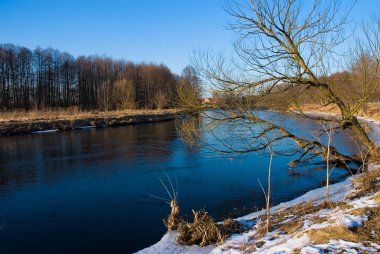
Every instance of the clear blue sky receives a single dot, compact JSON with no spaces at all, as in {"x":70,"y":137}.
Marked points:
{"x":160,"y":31}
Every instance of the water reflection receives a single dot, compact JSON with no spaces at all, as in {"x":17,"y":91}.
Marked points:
{"x":49,"y":157}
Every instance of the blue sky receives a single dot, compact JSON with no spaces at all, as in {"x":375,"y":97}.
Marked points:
{"x":160,"y":31}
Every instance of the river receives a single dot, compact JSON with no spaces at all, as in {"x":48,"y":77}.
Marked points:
{"x":90,"y":191}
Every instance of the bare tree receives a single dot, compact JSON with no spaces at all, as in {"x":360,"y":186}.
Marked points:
{"x":124,"y":94}
{"x":267,"y":194}
{"x":329,"y":133}
{"x":189,"y":88}
{"x":284,"y":45}
{"x":328,"y":130}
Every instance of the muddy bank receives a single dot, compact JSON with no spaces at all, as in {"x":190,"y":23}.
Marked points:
{"x":10,"y":128}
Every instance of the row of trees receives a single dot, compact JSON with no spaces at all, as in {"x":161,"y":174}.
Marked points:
{"x":48,"y":78}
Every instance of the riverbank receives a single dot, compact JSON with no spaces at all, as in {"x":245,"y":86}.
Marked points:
{"x":371,"y":111}
{"x":18,"y":123}
{"x":349,"y":222}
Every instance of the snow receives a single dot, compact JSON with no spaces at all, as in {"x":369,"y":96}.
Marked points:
{"x":45,"y":131}
{"x":353,"y":221}
{"x":372,"y":167}
{"x":288,"y":246}
{"x":364,"y":202}
{"x":339,"y":245}
{"x":88,"y":127}
{"x":168,"y":245}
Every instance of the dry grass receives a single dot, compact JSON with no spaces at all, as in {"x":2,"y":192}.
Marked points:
{"x":203,"y":231}
{"x":261,"y":228}
{"x":174,"y":219}
{"x":247,"y":247}
{"x":370,"y":110}
{"x":358,"y":211}
{"x":377,"y":197}
{"x":366,"y":183}
{"x":295,"y":212}
{"x":324,"y":235}
{"x":73,"y":113}
{"x":317,"y":219}
{"x":291,"y":219}
{"x":288,"y":220}
{"x":230,"y":227}
{"x":369,"y":231}
{"x":292,"y":226}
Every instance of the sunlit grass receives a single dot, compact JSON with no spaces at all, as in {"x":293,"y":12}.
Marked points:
{"x":74,"y":113}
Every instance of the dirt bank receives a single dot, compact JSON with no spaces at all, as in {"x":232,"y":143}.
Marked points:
{"x":26,"y":124}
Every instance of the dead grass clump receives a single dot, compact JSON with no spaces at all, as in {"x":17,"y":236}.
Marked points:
{"x":261,"y":228}
{"x":230,"y":226}
{"x":292,"y":226}
{"x":174,"y":219}
{"x":366,"y":183}
{"x":203,"y":231}
{"x":324,"y":235}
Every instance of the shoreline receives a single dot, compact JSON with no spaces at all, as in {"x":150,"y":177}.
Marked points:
{"x":90,"y":120}
{"x":371,"y":111}
{"x":286,"y":243}
{"x":300,"y":239}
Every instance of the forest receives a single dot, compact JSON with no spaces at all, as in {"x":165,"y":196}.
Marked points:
{"x":47,"y":78}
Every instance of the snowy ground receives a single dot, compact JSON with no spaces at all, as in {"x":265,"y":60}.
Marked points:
{"x":278,"y":242}
{"x":299,"y":241}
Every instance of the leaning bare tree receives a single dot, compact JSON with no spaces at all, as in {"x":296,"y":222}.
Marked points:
{"x":283,"y":53}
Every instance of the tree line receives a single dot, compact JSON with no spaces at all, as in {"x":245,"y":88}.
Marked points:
{"x":48,"y":78}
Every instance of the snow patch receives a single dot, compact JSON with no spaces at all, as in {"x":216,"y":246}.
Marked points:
{"x":335,"y":246}
{"x":364,"y":202}
{"x":168,"y":245}
{"x":288,"y":246}
{"x":353,"y":221}
{"x":87,"y":127}
{"x":45,"y":131}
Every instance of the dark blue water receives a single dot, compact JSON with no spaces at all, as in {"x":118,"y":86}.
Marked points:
{"x":88,"y":191}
